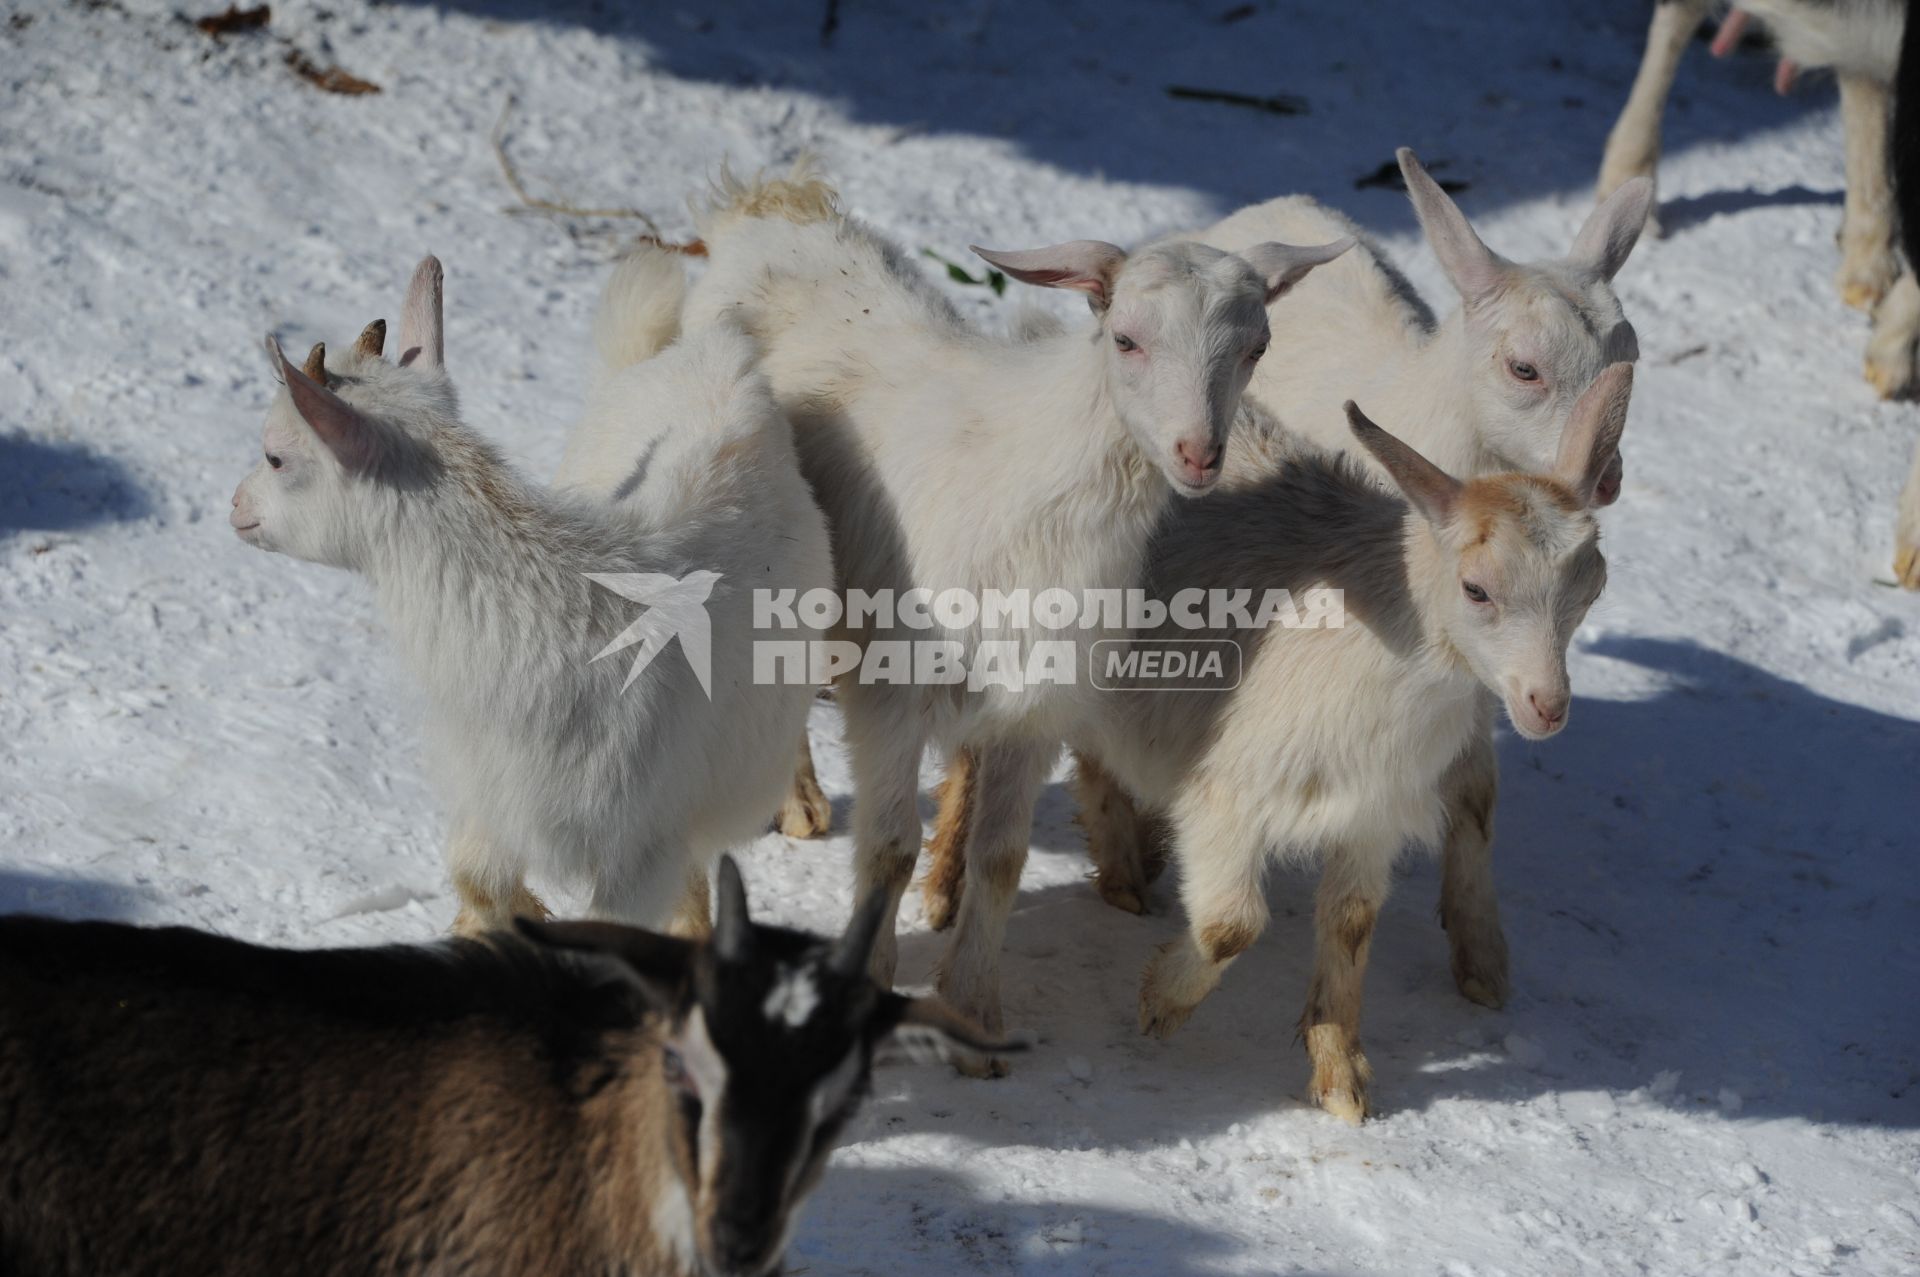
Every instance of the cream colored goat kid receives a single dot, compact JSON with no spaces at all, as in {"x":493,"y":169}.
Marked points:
{"x":1334,"y":745}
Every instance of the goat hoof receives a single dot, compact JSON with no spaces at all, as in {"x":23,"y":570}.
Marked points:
{"x":1486,"y":994}
{"x":1344,"y":1102}
{"x":1906,"y":566}
{"x":1159,"y":1019}
{"x":942,"y":903}
{"x":984,"y":1067}
{"x":1127,"y":897}
{"x":806,"y":813}
{"x":1862,"y":282}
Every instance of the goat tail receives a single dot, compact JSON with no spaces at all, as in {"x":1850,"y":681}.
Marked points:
{"x":800,"y":197}
{"x":639,"y":312}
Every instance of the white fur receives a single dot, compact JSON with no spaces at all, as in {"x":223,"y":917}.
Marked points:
{"x":947,"y":459}
{"x":545,"y":763}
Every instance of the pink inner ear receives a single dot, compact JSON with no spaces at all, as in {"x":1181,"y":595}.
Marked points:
{"x":351,"y":438}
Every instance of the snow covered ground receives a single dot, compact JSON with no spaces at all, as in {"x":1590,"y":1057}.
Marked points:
{"x":1711,"y":1063}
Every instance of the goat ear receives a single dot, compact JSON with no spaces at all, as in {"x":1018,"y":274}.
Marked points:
{"x":1590,"y":443}
{"x":422,"y":335}
{"x":659,"y":966}
{"x":1613,"y":228}
{"x":928,"y":1031}
{"x":351,"y":438}
{"x":1474,"y":269}
{"x":1431,"y":490}
{"x":1284,"y":265}
{"x":1088,"y":265}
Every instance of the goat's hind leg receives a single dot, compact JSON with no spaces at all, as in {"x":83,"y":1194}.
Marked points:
{"x":1009,"y":778}
{"x":805,"y":812}
{"x":1633,"y":147}
{"x":1868,"y":265}
{"x":1469,"y":904}
{"x":1893,"y":351}
{"x":1120,"y":838}
{"x":946,"y":879}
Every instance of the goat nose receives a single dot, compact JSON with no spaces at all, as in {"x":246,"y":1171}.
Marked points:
{"x":1200,"y":456}
{"x":1551,"y":710}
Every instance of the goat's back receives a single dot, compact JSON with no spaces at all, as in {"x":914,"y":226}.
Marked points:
{"x":175,"y":1102}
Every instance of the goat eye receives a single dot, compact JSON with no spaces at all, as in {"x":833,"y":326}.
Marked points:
{"x":273,"y":461}
{"x":1125,"y":342}
{"x":1474,"y":592}
{"x":1523,"y":371}
{"x":1259,"y":350}
{"x":674,"y":1070}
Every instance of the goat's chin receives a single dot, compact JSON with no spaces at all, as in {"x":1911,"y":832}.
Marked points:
{"x":1187,"y":487}
{"x":1530,"y":725}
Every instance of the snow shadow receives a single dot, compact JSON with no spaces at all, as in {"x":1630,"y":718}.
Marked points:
{"x":930,"y":1220}
{"x":1689,"y":211}
{"x":59,"y":896}
{"x":56,"y":487}
{"x":1710,"y":897}
{"x":1513,"y":99}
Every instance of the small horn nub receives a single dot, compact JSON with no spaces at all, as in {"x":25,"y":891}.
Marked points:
{"x":372,"y":339}
{"x":732,"y":931}
{"x":317,"y":362}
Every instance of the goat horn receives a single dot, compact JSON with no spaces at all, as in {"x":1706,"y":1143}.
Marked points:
{"x":855,"y":950}
{"x":732,"y":931}
{"x":317,"y":362}
{"x":372,"y":339}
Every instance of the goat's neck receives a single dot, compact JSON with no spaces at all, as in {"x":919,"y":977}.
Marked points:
{"x":1432,"y":581}
{"x":473,"y":573}
{"x":1100,"y":492}
{"x":1434,"y":390}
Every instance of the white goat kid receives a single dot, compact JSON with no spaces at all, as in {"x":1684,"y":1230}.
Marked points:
{"x":547,"y":760}
{"x":1860,"y":40}
{"x":1336,"y":742}
{"x":948,"y":460}
{"x":1487,"y":390}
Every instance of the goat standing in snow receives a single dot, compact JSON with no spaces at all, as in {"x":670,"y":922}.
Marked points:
{"x":947,"y":460}
{"x":1335,"y":744}
{"x":547,"y":760}
{"x":1487,"y":390}
{"x":1859,"y":39}
{"x":592,"y":1099}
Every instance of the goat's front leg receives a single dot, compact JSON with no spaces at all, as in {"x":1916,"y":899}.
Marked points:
{"x":488,"y":882}
{"x":1127,"y":846}
{"x":1633,"y":147}
{"x":884,"y":744}
{"x":1007,"y":781}
{"x":1353,"y":886}
{"x":1469,"y":905}
{"x":1906,"y":531}
{"x":805,"y":811}
{"x":1894,"y":349}
{"x":1867,"y":262}
{"x":1221,"y":885}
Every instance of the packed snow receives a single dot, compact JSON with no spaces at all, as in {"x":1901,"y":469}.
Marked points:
{"x":1711,"y":1062}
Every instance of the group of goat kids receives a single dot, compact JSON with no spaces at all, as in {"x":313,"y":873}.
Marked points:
{"x":655,"y":1090}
